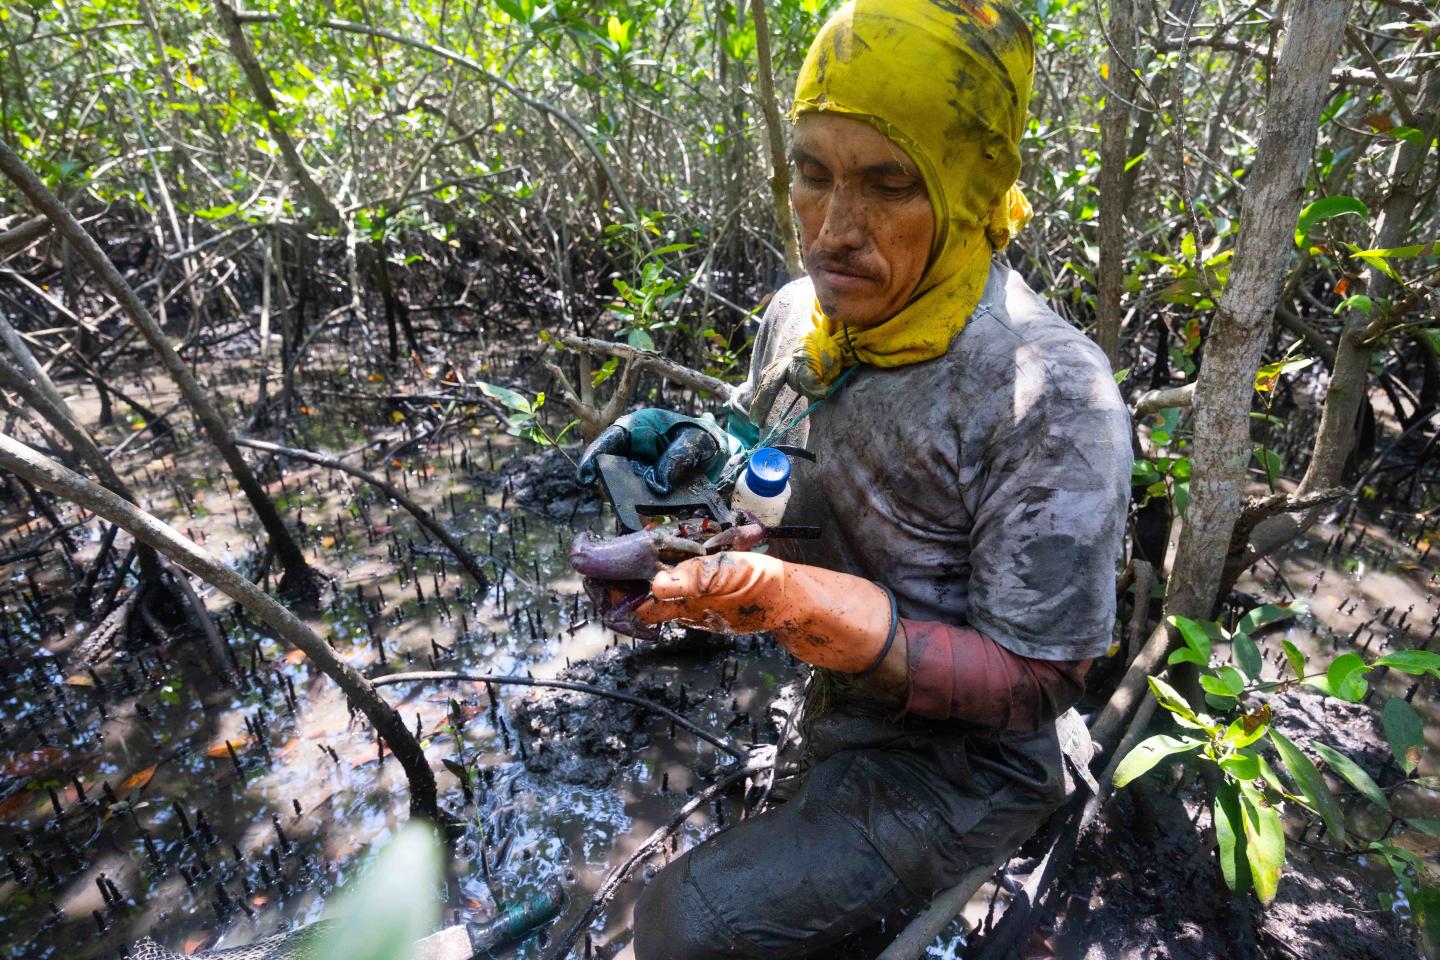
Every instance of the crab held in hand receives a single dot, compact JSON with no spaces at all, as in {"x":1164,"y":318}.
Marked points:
{"x":618,"y":570}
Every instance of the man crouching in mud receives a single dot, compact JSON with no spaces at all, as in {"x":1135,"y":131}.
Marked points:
{"x":971,"y":485}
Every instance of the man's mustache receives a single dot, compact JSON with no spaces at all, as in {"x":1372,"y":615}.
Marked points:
{"x":839,"y":262}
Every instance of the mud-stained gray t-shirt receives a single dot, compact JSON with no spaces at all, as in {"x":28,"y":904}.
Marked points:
{"x":987,"y":487}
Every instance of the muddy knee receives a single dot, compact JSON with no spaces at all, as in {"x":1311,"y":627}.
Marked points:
{"x":672,"y":922}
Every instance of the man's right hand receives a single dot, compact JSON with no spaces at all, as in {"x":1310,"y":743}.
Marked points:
{"x":673,"y":447}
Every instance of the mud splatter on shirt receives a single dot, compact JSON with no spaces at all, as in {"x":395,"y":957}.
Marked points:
{"x":987,"y":487}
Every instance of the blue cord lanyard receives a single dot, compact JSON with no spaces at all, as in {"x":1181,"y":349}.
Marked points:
{"x":784,"y":425}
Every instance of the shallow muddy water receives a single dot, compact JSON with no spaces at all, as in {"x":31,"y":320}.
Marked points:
{"x":237,"y":812}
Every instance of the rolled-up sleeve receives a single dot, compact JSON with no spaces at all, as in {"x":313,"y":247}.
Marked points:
{"x":959,"y":673}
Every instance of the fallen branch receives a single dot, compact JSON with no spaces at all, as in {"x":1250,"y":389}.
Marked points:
{"x":1067,"y":832}
{"x":27,"y":463}
{"x":920,"y":932}
{"x":421,"y":515}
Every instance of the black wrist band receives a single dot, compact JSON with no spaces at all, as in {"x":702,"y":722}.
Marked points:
{"x":889,"y":638}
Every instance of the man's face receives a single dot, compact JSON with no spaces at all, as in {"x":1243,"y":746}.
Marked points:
{"x":865,"y":219}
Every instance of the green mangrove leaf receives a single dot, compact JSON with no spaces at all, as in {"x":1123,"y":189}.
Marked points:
{"x":1169,"y":698}
{"x":1413,"y":662}
{"x":1242,"y":766}
{"x":1247,"y":655}
{"x":1405,"y":733}
{"x":1194,"y":635}
{"x":1266,"y":614}
{"x":1296,"y":659}
{"x":1351,"y":771}
{"x":1230,"y":838}
{"x":1312,"y":785}
{"x":1149,"y":752}
{"x":1345,"y":678}
{"x":1264,"y":842}
{"x":1325,"y":209}
{"x":1249,"y":728}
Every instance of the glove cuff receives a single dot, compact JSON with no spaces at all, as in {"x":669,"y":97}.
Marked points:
{"x":889,"y":637}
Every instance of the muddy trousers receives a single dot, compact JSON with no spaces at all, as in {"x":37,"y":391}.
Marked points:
{"x":864,"y":840}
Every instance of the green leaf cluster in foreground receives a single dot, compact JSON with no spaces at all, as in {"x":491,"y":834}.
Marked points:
{"x":1261,"y":774}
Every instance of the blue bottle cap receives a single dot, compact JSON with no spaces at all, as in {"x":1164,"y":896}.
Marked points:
{"x":768,"y":472}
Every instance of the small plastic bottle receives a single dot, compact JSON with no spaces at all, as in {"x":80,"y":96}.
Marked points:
{"x":764,"y":486}
{"x":517,"y":922}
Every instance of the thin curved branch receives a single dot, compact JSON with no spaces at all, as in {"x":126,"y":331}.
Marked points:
{"x":666,"y":712}
{"x":651,"y":362}
{"x":618,"y":876}
{"x":421,"y":515}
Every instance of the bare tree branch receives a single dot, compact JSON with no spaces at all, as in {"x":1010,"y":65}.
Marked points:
{"x":1152,"y":401}
{"x":19,"y":237}
{"x":1338,"y":75}
{"x":650,"y":362}
{"x":297,"y":570}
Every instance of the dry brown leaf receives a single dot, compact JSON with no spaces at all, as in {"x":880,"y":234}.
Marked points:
{"x":1379,"y":122}
{"x":12,"y":808}
{"x":135,"y":781}
{"x":220,"y":750}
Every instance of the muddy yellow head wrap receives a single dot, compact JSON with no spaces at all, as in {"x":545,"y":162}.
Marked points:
{"x":948,"y":81}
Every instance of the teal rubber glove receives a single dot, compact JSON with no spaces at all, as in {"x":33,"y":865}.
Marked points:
{"x":672,"y":446}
